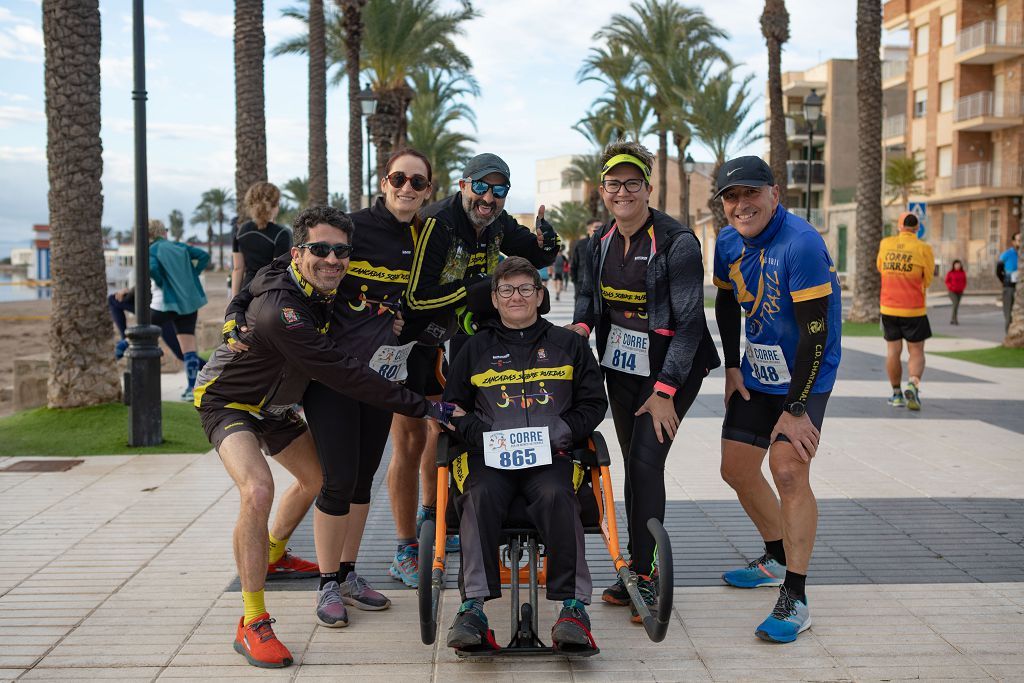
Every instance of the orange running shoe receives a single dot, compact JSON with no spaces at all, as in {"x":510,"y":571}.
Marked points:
{"x":292,"y":567}
{"x":258,"y":644}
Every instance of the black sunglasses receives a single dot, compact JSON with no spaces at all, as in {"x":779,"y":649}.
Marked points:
{"x":480,"y":187}
{"x":322,"y":249}
{"x":398,"y":179}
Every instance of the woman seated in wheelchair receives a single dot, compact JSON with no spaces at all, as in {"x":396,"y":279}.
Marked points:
{"x":530,"y":390}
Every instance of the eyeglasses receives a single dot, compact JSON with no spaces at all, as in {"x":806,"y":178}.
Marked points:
{"x":525,"y":291}
{"x":633,"y":185}
{"x":480,"y":187}
{"x":322,"y":249}
{"x":398,"y":179}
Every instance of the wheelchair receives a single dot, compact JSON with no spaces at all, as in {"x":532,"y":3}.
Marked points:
{"x":521,"y":541}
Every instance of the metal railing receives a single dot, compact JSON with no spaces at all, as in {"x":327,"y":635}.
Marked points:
{"x":894,"y":126}
{"x":797,"y":126}
{"x":995,"y":33}
{"x":983,"y":174}
{"x":894,"y":69}
{"x":797,"y":172}
{"x":987,"y":104}
{"x":817,"y":218}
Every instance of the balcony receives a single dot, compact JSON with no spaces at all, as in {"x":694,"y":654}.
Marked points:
{"x":796,"y":173}
{"x":817,"y":218}
{"x":989,"y":42}
{"x":979,"y":180}
{"x":894,"y":73}
{"x":796,"y":129}
{"x":984,"y":111}
{"x":894,"y":130}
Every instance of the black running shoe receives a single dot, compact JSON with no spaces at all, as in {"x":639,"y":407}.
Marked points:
{"x":572,"y":630}
{"x":649,"y":593}
{"x":469,"y":628}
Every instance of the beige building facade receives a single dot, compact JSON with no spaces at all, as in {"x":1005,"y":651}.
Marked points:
{"x":954,"y":101}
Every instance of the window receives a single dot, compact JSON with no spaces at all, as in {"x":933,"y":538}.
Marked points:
{"x":920,"y":103}
{"x":946,"y":95}
{"x":949,"y":226}
{"x":979,"y":224}
{"x":945,"y":161}
{"x":949,"y":29}
{"x":921,"y":40}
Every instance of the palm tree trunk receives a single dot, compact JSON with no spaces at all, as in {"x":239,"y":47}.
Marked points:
{"x":662,"y":165}
{"x":867,"y":283}
{"x":386,"y":124}
{"x":250,"y":113}
{"x":317,"y":105}
{"x":220,"y":240}
{"x":682,"y":142}
{"x":352,"y":21}
{"x":777,"y":128}
{"x":715,"y":205}
{"x":82,"y":370}
{"x":209,"y":241}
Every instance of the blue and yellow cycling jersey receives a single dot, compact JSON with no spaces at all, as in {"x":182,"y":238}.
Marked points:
{"x":787,"y":263}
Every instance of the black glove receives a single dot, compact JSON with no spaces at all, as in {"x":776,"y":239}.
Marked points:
{"x":551,"y":241}
{"x":441,"y":411}
{"x":232,"y":327}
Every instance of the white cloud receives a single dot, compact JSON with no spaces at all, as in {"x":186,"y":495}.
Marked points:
{"x":117,"y":71}
{"x":31,"y":154}
{"x":220,"y":25}
{"x":11,"y":115}
{"x":20,"y":39}
{"x":14,"y":97}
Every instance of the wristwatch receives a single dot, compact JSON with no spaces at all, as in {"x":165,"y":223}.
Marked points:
{"x":796,"y":408}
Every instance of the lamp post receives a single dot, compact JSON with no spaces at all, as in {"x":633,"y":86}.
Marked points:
{"x":688,"y":166}
{"x":368,"y":101}
{"x":142,"y":381}
{"x":812,"y":112}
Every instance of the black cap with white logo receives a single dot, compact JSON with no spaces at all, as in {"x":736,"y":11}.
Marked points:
{"x":744,"y":172}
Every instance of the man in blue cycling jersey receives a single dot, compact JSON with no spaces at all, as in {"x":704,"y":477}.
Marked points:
{"x":775,"y":267}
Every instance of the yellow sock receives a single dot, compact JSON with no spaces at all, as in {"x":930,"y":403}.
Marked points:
{"x":254,"y":605}
{"x":277,"y":548}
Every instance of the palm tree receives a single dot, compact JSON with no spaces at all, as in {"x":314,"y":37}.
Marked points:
{"x":586,"y":170}
{"x":902,"y":176}
{"x":718,"y":117}
{"x":82,"y":368}
{"x":250,"y":114}
{"x":205,"y":214}
{"x":176,"y":225}
{"x":352,"y":29}
{"x":219,"y":199}
{"x":867,"y":282}
{"x":657,"y":32}
{"x":297,"y":190}
{"x":338,"y":201}
{"x":318,"y":104}
{"x":569,"y":220}
{"x":775,"y":29}
{"x":436,"y":107}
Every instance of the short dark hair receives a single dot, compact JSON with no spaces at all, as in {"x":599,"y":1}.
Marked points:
{"x":910,"y":221}
{"x":314,"y":216}
{"x":514,"y":265}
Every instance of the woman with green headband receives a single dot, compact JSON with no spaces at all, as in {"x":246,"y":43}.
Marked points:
{"x":645,"y":299}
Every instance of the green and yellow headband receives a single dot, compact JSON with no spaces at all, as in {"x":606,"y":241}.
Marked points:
{"x":626,"y":159}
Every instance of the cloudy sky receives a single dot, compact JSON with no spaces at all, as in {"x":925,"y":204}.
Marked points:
{"x":525,"y":53}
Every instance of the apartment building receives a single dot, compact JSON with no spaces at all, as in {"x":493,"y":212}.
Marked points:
{"x":953,"y":101}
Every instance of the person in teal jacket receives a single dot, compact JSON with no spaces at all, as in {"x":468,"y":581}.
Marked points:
{"x":177,"y":293}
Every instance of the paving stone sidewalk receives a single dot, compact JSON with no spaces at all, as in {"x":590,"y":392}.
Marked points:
{"x":121,"y":567}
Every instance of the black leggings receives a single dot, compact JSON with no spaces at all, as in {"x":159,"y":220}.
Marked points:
{"x":350,"y":437}
{"x":642,"y":455}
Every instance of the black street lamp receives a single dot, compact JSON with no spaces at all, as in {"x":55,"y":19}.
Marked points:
{"x":812,"y":112}
{"x":688,"y":166}
{"x":142,"y":381}
{"x":368,"y":101}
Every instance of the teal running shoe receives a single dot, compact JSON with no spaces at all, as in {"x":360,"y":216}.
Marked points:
{"x":451,"y":544}
{"x":406,"y":565}
{"x":764,"y":571}
{"x":790,"y":618}
{"x":896,"y":400}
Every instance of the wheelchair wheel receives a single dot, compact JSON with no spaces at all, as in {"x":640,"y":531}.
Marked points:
{"x":429,"y":589}
{"x":657,"y":630}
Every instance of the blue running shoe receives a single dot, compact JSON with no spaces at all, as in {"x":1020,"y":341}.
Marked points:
{"x":789,"y":619}
{"x":764,"y":571}
{"x":406,"y":565}
{"x":120,"y":348}
{"x":451,"y":544}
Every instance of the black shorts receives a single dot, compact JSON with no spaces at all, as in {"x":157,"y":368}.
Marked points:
{"x":274,"y":433}
{"x":426,"y":368}
{"x":915,"y":329}
{"x":183,"y":323}
{"x":752,"y":421}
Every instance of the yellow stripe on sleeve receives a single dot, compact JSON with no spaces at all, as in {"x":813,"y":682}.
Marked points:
{"x":812,"y":292}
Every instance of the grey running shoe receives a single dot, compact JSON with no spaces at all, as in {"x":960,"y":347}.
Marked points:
{"x":356,"y":591}
{"x":572,"y":630}
{"x":913,"y":397}
{"x":469,"y":628}
{"x":330,"y":610}
{"x":896,"y":400}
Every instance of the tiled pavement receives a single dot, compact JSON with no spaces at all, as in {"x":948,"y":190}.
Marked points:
{"x":121,"y":567}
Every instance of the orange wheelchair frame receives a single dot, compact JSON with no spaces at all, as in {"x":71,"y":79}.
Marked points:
{"x":525,"y":639}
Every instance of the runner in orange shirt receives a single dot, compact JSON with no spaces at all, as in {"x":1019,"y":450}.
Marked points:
{"x":907,"y":265}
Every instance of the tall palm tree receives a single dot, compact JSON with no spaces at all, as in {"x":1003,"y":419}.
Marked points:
{"x":569,"y":219}
{"x":250,"y":114}
{"x":586,"y":170}
{"x":718,"y":117}
{"x":219,"y":199}
{"x":437,"y":106}
{"x":658,"y":30}
{"x":297,"y":190}
{"x":352,"y":29}
{"x":775,"y":29}
{"x":902,"y":176}
{"x":82,"y":368}
{"x":205,"y":214}
{"x":176,"y":225}
{"x":318,"y":104}
{"x":867,"y":282}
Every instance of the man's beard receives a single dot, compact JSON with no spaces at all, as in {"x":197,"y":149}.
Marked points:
{"x":479,"y":222}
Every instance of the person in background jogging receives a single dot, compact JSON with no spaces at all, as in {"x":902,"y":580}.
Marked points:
{"x":774,"y":266}
{"x":644,"y":296}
